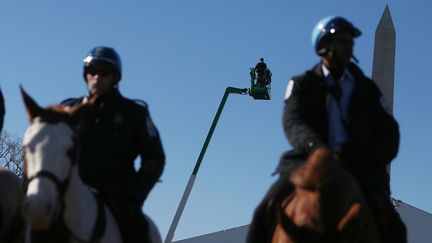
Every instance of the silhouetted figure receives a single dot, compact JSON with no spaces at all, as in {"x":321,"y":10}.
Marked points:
{"x":262,"y":73}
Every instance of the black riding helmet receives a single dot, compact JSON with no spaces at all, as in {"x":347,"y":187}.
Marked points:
{"x":105,"y":55}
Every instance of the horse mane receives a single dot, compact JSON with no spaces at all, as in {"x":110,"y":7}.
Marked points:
{"x":58,"y":113}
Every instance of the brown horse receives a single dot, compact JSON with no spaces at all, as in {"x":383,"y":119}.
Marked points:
{"x":327,"y":205}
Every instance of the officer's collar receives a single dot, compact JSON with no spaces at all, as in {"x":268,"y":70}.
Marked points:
{"x":344,"y":75}
{"x":351,"y":67}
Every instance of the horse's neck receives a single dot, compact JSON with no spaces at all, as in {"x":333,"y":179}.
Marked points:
{"x":80,"y":211}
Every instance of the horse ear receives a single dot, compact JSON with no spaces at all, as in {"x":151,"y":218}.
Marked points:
{"x":32,"y":108}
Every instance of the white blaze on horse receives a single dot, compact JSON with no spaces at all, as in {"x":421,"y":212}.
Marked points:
{"x":326,"y":206}
{"x":58,"y":203}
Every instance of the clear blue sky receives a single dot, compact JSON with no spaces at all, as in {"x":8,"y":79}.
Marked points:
{"x":180,"y":55}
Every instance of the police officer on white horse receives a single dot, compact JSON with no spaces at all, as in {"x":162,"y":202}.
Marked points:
{"x":111,"y":138}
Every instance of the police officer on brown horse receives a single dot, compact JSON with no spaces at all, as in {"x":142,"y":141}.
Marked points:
{"x":334,"y":105}
{"x":111,"y":138}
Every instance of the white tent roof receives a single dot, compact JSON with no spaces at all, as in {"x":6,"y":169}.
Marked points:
{"x":418,"y":223}
{"x":233,"y":235}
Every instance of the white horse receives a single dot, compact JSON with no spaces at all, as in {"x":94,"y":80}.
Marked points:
{"x":56,"y":197}
{"x":10,"y":205}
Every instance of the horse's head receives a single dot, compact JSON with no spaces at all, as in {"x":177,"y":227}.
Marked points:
{"x":48,"y":144}
{"x":326,"y":195}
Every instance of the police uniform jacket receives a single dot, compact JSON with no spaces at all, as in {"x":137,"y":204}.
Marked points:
{"x":373,"y":132}
{"x":2,"y":110}
{"x":110,"y":139}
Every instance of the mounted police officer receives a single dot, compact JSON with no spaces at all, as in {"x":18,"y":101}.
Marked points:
{"x":334,"y":105}
{"x":111,"y":138}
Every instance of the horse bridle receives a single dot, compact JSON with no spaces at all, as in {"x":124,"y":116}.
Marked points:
{"x":61,"y":186}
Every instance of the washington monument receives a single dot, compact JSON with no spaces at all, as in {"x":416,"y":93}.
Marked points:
{"x":384,"y":57}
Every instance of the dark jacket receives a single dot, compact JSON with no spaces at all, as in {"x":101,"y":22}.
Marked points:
{"x":110,"y":140}
{"x":373,"y":132}
{"x":2,"y":110}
